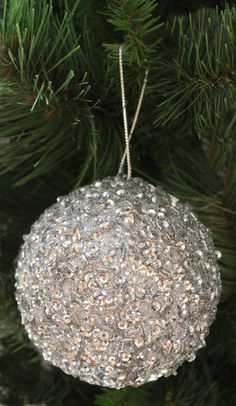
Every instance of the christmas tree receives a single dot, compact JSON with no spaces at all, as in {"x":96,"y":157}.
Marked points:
{"x":62,"y":128}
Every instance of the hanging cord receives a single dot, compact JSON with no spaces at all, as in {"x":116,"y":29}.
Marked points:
{"x":128,"y":135}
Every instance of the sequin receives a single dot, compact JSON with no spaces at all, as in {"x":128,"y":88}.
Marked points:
{"x":139,"y":342}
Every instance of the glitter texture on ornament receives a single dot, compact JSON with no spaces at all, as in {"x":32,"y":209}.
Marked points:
{"x":117,"y":283}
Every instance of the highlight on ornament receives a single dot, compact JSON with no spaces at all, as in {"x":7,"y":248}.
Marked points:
{"x":117,"y":283}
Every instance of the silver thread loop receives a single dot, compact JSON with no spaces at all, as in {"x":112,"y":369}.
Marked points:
{"x":128,"y":135}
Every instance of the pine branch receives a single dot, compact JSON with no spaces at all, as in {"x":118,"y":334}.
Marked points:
{"x":51,"y":80}
{"x":198,"y":69}
{"x":139,"y":27}
{"x":44,"y":89}
{"x":124,"y":397}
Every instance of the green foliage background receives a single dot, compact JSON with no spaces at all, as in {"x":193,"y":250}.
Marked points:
{"x":61,"y":127}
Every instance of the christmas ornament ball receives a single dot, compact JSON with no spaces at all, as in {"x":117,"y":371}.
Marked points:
{"x":117,"y":283}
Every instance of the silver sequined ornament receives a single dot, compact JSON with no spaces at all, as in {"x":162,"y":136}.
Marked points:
{"x":117,"y":283}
